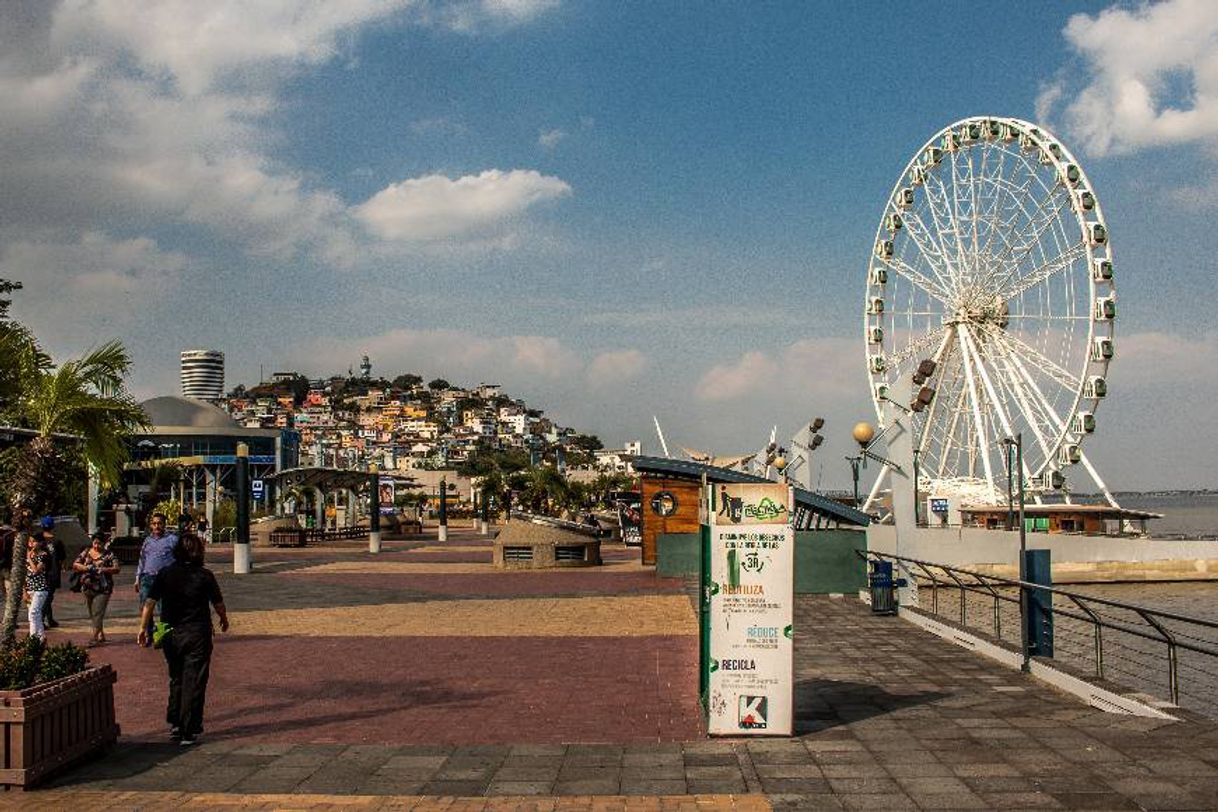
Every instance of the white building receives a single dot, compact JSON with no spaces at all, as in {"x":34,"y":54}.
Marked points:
{"x":203,"y":374}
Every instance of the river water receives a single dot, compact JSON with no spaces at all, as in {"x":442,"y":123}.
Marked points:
{"x":1188,"y":514}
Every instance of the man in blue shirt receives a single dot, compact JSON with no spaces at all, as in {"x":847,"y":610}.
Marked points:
{"x":155,"y":554}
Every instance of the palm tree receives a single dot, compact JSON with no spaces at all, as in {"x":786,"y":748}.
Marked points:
{"x":545,"y":489}
{"x":84,"y":398}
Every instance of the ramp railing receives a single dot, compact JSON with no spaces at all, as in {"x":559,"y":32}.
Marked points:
{"x":1125,"y":643}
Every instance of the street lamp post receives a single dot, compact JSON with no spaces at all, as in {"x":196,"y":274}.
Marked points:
{"x":374,"y":508}
{"x":1010,"y":496}
{"x":241,"y":541}
{"x":443,"y":529}
{"x":855,"y":462}
{"x":1024,"y":595}
{"x":863,"y":434}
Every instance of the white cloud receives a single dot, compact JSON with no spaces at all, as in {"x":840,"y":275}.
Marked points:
{"x":455,"y":354}
{"x":813,"y":368}
{"x":121,"y":111}
{"x":1151,"y":77}
{"x":714,"y":316}
{"x":79,"y":292}
{"x":550,"y":138}
{"x":198,"y":45}
{"x":474,"y":15}
{"x":754,"y":371}
{"x":1156,"y":359}
{"x":615,"y":367}
{"x":436,"y":207}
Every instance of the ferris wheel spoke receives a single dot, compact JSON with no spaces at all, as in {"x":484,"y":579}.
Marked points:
{"x":931,"y":251}
{"x":949,"y":439}
{"x":1046,"y":270}
{"x":944,"y":224}
{"x":991,"y":180}
{"x":915,"y":348}
{"x":926,"y":285}
{"x":939,"y":356}
{"x":962,"y":271}
{"x":1040,"y":222}
{"x":1019,"y":347}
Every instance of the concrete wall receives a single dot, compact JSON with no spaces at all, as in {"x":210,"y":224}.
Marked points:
{"x":1075,"y":558}
{"x":825,"y":560}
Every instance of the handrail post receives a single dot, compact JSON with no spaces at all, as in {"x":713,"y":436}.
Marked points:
{"x":963,"y":590}
{"x":1173,"y":661}
{"x":934,"y":589}
{"x":1099,"y":635}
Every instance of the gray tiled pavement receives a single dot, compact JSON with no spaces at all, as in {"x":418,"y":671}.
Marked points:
{"x":888,"y":717}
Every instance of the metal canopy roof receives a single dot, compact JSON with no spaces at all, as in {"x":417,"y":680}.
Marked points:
{"x":686,"y":469}
{"x":330,"y":479}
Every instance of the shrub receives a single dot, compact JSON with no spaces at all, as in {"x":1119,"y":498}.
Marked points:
{"x":28,"y":661}
{"x":63,"y":660}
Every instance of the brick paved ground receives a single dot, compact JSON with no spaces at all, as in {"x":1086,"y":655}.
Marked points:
{"x":888,"y":717}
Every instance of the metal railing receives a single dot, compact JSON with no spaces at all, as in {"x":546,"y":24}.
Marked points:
{"x":1124,"y":642}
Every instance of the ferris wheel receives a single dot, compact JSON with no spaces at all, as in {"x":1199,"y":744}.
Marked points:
{"x":992,"y":259}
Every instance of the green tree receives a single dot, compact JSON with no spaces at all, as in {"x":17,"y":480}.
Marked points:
{"x":85,"y":398}
{"x":438,"y":384}
{"x":546,"y":491}
{"x":7,"y":286}
{"x":407,"y":381}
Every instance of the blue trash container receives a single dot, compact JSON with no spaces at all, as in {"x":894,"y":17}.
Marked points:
{"x":883,"y":588}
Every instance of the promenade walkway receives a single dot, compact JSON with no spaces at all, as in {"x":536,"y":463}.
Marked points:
{"x":424,"y":679}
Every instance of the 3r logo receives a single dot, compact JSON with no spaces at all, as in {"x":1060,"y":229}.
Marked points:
{"x":753,"y":712}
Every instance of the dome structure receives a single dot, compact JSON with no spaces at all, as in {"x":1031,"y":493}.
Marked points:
{"x":171,"y":411}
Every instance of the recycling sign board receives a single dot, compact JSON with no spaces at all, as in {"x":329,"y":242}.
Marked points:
{"x":751,"y":601}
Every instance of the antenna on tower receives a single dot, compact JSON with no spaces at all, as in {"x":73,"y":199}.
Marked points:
{"x":660,"y":432}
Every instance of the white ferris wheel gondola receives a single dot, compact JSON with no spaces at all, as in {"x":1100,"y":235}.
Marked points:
{"x":993,"y":258}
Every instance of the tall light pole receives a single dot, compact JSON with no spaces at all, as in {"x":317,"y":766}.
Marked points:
{"x":374,"y":508}
{"x":855,"y":462}
{"x":241,"y":540}
{"x":863,"y":434}
{"x":1010,"y":498}
{"x":1017,"y":442}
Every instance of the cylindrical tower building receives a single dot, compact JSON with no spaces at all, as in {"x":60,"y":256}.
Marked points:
{"x":203,"y":374}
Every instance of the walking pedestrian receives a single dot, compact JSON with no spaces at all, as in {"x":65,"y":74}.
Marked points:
{"x":97,"y":567}
{"x":156,"y":553}
{"x":59,"y":557}
{"x":37,"y":562}
{"x":187,"y":591}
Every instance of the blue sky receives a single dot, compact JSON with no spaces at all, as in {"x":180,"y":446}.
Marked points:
{"x":615,"y":210}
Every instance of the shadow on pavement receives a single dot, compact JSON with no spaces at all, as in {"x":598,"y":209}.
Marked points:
{"x":821,"y":704}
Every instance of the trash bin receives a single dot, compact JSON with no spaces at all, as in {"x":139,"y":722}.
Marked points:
{"x":883,"y":588}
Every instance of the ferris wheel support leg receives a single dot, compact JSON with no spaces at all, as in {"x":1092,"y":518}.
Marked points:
{"x":975,"y":402}
{"x":875,"y":489}
{"x":1099,"y":483}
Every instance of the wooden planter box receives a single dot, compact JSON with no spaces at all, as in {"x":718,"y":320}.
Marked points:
{"x":49,"y":726}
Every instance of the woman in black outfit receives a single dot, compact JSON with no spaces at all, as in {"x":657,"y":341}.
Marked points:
{"x":187,"y":590}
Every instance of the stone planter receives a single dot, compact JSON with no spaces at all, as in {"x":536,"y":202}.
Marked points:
{"x":45,"y":728}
